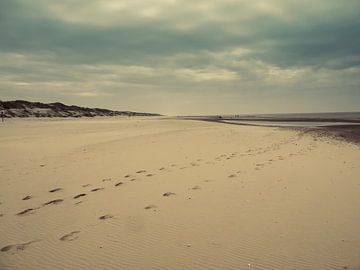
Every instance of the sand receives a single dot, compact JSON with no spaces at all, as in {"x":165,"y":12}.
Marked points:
{"x":175,"y":194}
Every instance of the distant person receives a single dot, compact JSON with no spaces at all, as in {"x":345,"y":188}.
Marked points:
{"x":2,"y":116}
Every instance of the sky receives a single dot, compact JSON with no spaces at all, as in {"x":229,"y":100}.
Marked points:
{"x":183,"y":57}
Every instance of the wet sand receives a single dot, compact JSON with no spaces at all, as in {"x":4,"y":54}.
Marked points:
{"x":174,"y":194}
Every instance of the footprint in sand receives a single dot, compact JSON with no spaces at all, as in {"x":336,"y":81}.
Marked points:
{"x":106,"y":179}
{"x":79,"y":195}
{"x":105,"y":217}
{"x":161,"y":169}
{"x":141,"y":171}
{"x":196,"y":188}
{"x":26,"y":212}
{"x":57,"y":201}
{"x":232,"y":175}
{"x":167,"y":194}
{"x":150,"y":206}
{"x":96,"y":189}
{"x":17,"y":247}
{"x":28,"y":197}
{"x":1,"y":215}
{"x":86,"y":185}
{"x":118,"y":184}
{"x":55,"y":190}
{"x":149,"y":175}
{"x":127,"y":176}
{"x":70,"y":236}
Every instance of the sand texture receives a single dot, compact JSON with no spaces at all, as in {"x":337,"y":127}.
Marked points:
{"x":175,"y":194}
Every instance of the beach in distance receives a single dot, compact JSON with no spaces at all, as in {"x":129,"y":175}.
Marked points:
{"x":168,"y":193}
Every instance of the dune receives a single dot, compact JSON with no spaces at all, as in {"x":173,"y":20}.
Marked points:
{"x":158,"y":193}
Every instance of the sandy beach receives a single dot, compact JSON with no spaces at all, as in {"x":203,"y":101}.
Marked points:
{"x":155,"y":193}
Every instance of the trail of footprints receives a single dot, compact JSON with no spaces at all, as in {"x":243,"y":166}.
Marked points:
{"x":75,"y":234}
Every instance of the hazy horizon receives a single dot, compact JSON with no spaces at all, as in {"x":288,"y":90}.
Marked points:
{"x":182,"y":58}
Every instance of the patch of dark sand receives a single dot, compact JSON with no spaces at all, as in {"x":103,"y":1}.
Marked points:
{"x":167,"y":194}
{"x":70,"y":236}
{"x":150,"y":206}
{"x":57,"y":201}
{"x":79,"y":195}
{"x":26,"y":211}
{"x":55,"y":190}
{"x":17,"y":247}
{"x":105,"y":217}
{"x":96,"y":189}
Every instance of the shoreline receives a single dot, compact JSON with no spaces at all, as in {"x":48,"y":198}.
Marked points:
{"x":345,"y":132}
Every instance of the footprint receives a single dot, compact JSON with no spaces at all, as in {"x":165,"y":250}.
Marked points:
{"x":118,"y":184}
{"x":141,"y":171}
{"x":79,"y":195}
{"x":149,"y":175}
{"x":55,"y":190}
{"x":150,"y":206}
{"x":70,"y":236}
{"x":28,"y":197}
{"x":196,"y":188}
{"x":1,"y":215}
{"x":17,"y":247}
{"x":127,"y":176}
{"x":232,"y":175}
{"x":161,"y":169}
{"x":86,"y":185}
{"x":167,"y":194}
{"x":106,"y":179}
{"x":26,"y":211}
{"x":57,"y":201}
{"x":105,"y":217}
{"x":96,"y":189}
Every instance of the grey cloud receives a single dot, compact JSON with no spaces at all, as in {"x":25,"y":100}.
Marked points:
{"x":240,"y":48}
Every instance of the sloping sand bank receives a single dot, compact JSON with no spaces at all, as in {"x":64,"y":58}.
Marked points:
{"x":175,"y":194}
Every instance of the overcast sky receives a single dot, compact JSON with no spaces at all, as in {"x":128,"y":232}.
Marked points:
{"x":183,"y":56}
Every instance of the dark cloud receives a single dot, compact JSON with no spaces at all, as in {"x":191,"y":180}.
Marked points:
{"x":279,"y":42}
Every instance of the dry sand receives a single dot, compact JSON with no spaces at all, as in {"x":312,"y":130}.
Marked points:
{"x":175,"y":194}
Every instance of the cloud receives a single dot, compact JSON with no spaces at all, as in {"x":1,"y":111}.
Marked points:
{"x":112,"y":51}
